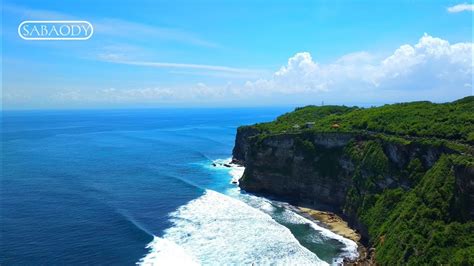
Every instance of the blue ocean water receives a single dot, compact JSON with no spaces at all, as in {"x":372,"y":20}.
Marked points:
{"x":137,"y":186}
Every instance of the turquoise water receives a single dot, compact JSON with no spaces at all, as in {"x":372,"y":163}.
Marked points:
{"x":126,"y":186}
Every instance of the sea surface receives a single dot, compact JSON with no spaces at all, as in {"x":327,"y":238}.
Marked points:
{"x":121,"y":187}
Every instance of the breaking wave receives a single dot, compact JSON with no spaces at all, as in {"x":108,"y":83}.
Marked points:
{"x":239,"y":228}
{"x":219,"y":230}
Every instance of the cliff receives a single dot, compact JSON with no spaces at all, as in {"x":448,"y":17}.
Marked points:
{"x":404,"y":193}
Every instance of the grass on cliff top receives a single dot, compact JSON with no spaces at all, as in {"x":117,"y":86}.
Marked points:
{"x":451,"y":121}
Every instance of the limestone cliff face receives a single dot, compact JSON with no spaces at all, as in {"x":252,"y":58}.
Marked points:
{"x":335,"y":169}
{"x":242,"y":143}
{"x":279,"y":166}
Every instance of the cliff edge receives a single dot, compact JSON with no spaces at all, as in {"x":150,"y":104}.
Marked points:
{"x":402,"y":174}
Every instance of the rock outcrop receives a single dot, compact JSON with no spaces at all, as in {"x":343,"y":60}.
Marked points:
{"x":336,"y":170}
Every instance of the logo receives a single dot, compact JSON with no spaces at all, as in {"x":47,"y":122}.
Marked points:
{"x":59,"y":30}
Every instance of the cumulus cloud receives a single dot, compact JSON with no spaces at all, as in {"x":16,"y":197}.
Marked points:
{"x":461,"y":8}
{"x":432,"y":64}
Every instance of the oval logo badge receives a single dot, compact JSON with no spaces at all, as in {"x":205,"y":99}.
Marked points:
{"x":55,"y":30}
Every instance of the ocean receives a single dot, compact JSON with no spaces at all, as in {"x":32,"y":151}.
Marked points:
{"x":138,"y":186}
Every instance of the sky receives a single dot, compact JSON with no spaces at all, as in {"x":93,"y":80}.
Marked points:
{"x":239,"y":53}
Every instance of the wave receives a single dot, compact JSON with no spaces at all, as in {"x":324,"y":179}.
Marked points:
{"x":286,"y":214}
{"x":283,"y":212}
{"x":166,"y":252}
{"x":350,"y":249}
{"x":235,"y":171}
{"x":240,"y":228}
{"x":216,"y":229}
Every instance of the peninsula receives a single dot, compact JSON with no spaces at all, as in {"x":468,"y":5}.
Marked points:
{"x":401,"y":174}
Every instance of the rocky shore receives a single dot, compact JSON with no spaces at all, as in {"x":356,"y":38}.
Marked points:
{"x":337,"y":225}
{"x":325,"y":219}
{"x":332,"y":222}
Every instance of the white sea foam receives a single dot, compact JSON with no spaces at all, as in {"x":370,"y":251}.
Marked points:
{"x":350,"y":247}
{"x":269,"y":206}
{"x":219,"y":230}
{"x":166,"y":252}
{"x":235,"y":171}
{"x":223,"y":161}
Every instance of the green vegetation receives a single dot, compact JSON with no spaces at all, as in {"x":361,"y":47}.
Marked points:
{"x":306,"y":146}
{"x":419,"y":227}
{"x":448,"y":121}
{"x":416,"y":213}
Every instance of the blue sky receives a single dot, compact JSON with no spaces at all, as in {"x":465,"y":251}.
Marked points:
{"x":239,"y":53}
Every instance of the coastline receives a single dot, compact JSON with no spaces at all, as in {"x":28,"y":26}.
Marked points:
{"x":337,"y":225}
{"x":331,"y":221}
{"x":325,"y":219}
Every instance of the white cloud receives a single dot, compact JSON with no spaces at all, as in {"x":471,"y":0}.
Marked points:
{"x":461,"y":8}
{"x":137,"y":56}
{"x":432,"y":64}
{"x":199,"y":92}
{"x":113,"y":58}
{"x":431,"y":69}
{"x":254,"y":74}
{"x":112,"y":95}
